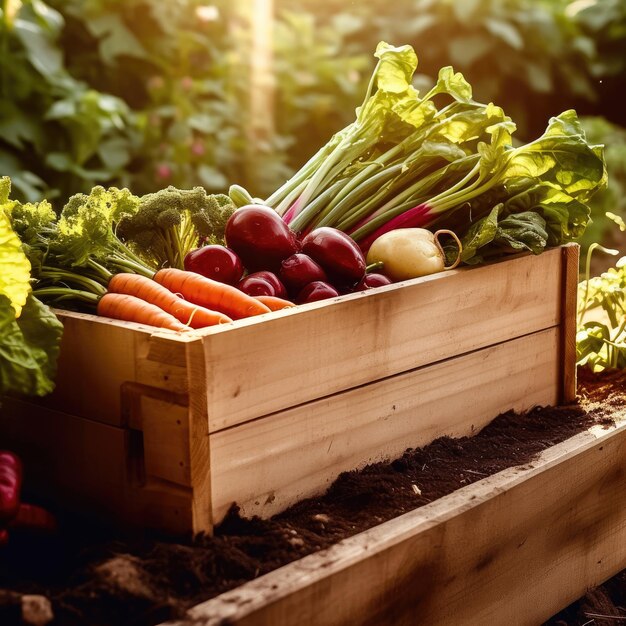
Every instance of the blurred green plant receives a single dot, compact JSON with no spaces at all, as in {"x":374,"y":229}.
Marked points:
{"x":608,"y":207}
{"x":57,"y":135}
{"x":601,"y":324}
{"x":513,"y":52}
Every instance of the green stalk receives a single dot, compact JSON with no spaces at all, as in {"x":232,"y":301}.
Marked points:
{"x":592,"y":247}
{"x":64,"y":293}
{"x":357,"y":196}
{"x":290,"y":198}
{"x":304,"y":172}
{"x":88,"y":284}
{"x":130,"y":266}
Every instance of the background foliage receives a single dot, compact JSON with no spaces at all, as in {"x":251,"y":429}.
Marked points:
{"x":145,"y":93}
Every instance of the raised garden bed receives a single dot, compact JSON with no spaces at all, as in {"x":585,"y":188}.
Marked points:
{"x":166,"y":431}
{"x":513,"y":547}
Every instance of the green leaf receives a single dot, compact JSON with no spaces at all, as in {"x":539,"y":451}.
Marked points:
{"x":29,"y":347}
{"x":562,"y":157}
{"x":505,"y":31}
{"x":114,"y":153}
{"x":396,"y":67}
{"x":212,"y":178}
{"x":454,"y":84}
{"x":40,"y":50}
{"x":14,"y":267}
{"x":465,"y":50}
{"x":480,"y":234}
{"x":523,"y":231}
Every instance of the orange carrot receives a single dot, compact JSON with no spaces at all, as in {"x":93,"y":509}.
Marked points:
{"x":121,"y":306}
{"x":210,"y":293}
{"x":149,"y":290}
{"x":274,"y":303}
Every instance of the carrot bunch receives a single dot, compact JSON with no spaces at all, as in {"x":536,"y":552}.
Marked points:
{"x":176,"y":299}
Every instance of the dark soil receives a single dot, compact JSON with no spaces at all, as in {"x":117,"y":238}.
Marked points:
{"x":92,"y":576}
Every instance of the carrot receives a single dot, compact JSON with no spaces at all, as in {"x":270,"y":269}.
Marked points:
{"x":210,"y":293}
{"x":151,"y":291}
{"x":274,"y":303}
{"x":132,"y":309}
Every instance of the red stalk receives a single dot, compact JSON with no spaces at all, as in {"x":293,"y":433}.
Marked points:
{"x":417,"y":217}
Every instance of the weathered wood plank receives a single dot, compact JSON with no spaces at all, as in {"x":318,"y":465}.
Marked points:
{"x":269,"y":463}
{"x":513,"y":548}
{"x":571,"y":253}
{"x":94,"y":468}
{"x":263,"y":365}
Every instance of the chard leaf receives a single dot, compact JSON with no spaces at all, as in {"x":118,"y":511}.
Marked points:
{"x":562,"y":157}
{"x":480,"y":234}
{"x":444,"y":149}
{"x":414,"y":111}
{"x":29,"y":347}
{"x":523,"y":231}
{"x":396,"y":67}
{"x":14,"y":267}
{"x":566,"y":217}
{"x":454,"y":84}
{"x":473,"y":122}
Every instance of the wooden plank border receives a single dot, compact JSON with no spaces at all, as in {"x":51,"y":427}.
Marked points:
{"x":264,"y":365}
{"x":569,"y":299}
{"x":267,"y":464}
{"x":513,"y":548}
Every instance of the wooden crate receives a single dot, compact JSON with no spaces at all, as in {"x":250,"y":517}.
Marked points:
{"x":514,"y":549}
{"x":165,"y":430}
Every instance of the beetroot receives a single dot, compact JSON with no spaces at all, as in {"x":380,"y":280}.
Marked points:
{"x":317,"y":290}
{"x":337,"y":253}
{"x":299,"y":270}
{"x":215,"y":262}
{"x":260,"y":237}
{"x":273,"y":280}
{"x":369,"y":281}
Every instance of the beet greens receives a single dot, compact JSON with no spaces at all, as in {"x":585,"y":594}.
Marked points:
{"x":408,"y":161}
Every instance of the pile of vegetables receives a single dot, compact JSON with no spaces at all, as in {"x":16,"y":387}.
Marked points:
{"x":370,"y":208}
{"x":443,"y":160}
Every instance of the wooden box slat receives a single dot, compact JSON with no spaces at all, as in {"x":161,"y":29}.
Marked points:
{"x":265,"y":465}
{"x":304,"y":354}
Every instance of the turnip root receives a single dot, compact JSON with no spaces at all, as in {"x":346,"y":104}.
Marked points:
{"x":411,"y":252}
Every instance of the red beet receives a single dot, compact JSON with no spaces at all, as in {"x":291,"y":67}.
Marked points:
{"x":299,"y":270}
{"x":10,"y":485}
{"x":369,"y":281}
{"x":260,"y":237}
{"x":256,"y":286}
{"x":337,"y":253}
{"x":215,"y":262}
{"x":273,"y":280}
{"x":317,"y":290}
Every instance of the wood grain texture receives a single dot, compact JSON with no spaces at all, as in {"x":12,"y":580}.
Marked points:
{"x":267,"y":464}
{"x":571,"y":253}
{"x":261,"y":366}
{"x":98,"y":355}
{"x":92,"y":468}
{"x":200,"y":468}
{"x":511,"y":549}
